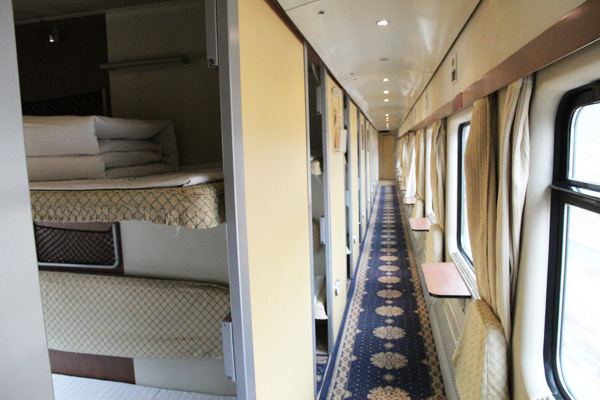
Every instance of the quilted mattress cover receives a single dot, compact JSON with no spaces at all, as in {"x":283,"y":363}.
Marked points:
{"x":198,"y":206}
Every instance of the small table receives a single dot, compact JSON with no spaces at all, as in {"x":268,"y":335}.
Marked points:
{"x":420,"y":224}
{"x":410,"y":201}
{"x":444,"y":280}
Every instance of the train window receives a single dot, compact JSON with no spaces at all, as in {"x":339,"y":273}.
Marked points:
{"x":572,"y":349}
{"x":584,"y":145}
{"x":464,"y":243}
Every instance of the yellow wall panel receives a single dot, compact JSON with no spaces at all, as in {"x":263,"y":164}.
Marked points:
{"x":363,"y":174}
{"x":353,"y":137}
{"x":277,"y":204}
{"x":337,"y":202}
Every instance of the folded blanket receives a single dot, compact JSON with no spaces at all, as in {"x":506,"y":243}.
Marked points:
{"x":129,"y":158}
{"x":120,"y":128}
{"x":65,"y":168}
{"x":60,"y":136}
{"x":58,"y":147}
{"x":112,"y":145}
{"x":139,"y":170}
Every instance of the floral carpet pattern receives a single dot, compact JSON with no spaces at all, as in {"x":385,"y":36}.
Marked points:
{"x":385,"y":350}
{"x":321,"y":366}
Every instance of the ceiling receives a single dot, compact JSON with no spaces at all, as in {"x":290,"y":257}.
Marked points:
{"x":360,"y":54}
{"x":345,"y":34}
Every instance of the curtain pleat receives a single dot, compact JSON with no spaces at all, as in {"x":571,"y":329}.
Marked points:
{"x":481,"y":189}
{"x":411,"y":182}
{"x":513,"y":178}
{"x":495,"y":199}
{"x":420,"y":164}
{"x":438,"y":172}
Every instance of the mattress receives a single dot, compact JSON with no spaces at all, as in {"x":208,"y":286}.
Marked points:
{"x":176,"y":201}
{"x":133,"y":317}
{"x":74,"y":388}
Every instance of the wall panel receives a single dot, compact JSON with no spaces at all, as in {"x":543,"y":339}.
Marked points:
{"x":24,"y":365}
{"x":337,"y":203}
{"x":187,"y":94}
{"x":353,"y":159}
{"x":277,"y":204}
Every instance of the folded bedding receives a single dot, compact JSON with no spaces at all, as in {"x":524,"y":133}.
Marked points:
{"x":58,"y":147}
{"x":124,"y":145}
{"x":137,"y":170}
{"x":60,"y":136}
{"x":129,"y":158}
{"x":171,"y":179}
{"x":65,"y":168}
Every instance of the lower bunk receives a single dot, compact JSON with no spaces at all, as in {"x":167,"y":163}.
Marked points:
{"x":75,"y":388}
{"x":159,"y":333}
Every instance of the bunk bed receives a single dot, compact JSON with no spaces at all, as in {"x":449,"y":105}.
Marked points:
{"x":113,"y":211}
{"x":95,"y":168}
{"x":130,"y":318}
{"x":86,"y":168}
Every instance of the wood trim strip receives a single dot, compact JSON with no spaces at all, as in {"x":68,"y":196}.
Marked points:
{"x":577,"y":29}
{"x":95,"y":366}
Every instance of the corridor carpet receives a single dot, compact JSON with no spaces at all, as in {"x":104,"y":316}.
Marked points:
{"x":385,"y":349}
{"x":321,"y":365}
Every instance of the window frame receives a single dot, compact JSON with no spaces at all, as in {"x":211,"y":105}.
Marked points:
{"x":459,"y":192}
{"x":564,"y":192}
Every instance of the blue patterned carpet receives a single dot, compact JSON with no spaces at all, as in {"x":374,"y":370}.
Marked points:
{"x":385,"y":350}
{"x":321,"y":365}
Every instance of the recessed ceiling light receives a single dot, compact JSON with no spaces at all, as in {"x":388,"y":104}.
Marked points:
{"x":386,"y":79}
{"x":384,"y":59}
{"x":383,"y":22}
{"x":386,"y":91}
{"x":387,"y":115}
{"x":386,"y":100}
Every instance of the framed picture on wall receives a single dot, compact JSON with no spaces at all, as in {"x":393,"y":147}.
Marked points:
{"x":339,"y":141}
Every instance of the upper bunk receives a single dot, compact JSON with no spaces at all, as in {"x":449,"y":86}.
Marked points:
{"x":95,"y":168}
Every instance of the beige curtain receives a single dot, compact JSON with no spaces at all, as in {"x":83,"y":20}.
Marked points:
{"x":420,"y":164}
{"x":438,"y":172}
{"x":399,"y":152}
{"x":481,"y":188}
{"x":411,"y":181}
{"x":513,"y":178}
{"x":495,"y":200}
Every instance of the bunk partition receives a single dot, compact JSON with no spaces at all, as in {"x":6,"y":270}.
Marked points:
{"x":268,"y":169}
{"x":335,"y":203}
{"x":353,"y":161}
{"x":362,"y":196}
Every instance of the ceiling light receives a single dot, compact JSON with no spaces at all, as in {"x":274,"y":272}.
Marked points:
{"x":386,"y":79}
{"x":384,"y":59}
{"x":321,"y":12}
{"x":383,"y":22}
{"x":387,"y":115}
{"x":386,"y":91}
{"x":386,"y":100}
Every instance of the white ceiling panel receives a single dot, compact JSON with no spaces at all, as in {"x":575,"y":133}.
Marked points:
{"x":360,"y":53}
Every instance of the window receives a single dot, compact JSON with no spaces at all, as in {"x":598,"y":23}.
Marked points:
{"x":572,"y":348}
{"x":464,"y":243}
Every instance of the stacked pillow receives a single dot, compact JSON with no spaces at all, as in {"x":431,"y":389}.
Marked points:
{"x":95,"y":147}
